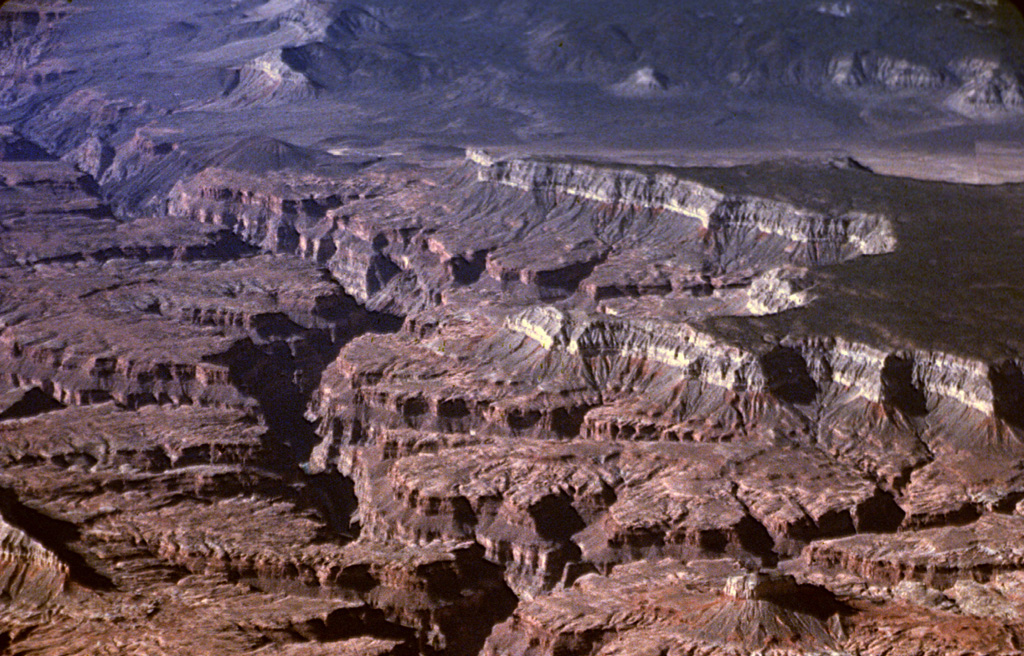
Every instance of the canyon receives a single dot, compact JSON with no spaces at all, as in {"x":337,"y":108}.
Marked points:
{"x":322,"y":332}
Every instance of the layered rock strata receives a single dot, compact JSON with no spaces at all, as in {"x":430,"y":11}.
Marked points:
{"x":166,"y":504}
{"x":524,"y":405}
{"x":286,"y":370}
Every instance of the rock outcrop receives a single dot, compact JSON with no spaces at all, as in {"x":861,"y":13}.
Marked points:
{"x":288,"y":366}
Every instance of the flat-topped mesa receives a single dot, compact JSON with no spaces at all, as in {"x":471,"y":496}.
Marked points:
{"x":938,"y":556}
{"x":75,"y":379}
{"x":834,"y":237}
{"x":263,"y":215}
{"x":677,"y":345}
{"x":915,"y":382}
{"x":605,"y":185}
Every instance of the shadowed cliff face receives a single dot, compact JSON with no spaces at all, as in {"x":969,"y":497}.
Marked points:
{"x":511,"y":327}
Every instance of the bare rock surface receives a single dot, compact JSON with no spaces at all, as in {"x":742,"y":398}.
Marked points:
{"x":511,"y":327}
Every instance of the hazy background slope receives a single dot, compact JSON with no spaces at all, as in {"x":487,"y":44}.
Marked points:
{"x":683,"y":82}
